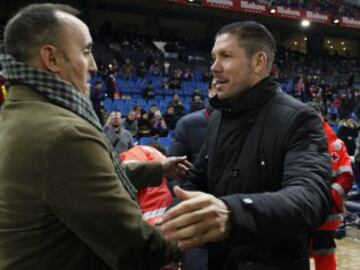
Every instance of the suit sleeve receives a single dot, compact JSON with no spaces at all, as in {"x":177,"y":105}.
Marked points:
{"x":84,"y":192}
{"x":304,"y":199}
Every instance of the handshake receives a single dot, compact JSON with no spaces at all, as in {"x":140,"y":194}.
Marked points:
{"x":200,"y":218}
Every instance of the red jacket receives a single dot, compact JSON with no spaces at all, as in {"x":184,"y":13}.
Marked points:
{"x":342,"y":178}
{"x":153,"y":201}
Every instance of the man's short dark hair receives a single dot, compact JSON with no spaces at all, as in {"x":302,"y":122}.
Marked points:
{"x":253,"y":37}
{"x":33,"y":26}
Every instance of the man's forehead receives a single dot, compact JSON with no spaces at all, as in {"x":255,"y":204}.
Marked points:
{"x":115,"y":114}
{"x":225,"y":42}
{"x":72,"y":23}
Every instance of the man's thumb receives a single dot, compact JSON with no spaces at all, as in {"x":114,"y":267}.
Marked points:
{"x":183,"y":194}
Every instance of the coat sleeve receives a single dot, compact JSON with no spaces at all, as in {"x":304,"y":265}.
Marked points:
{"x":180,"y":145}
{"x":342,"y":173}
{"x":197,"y":177}
{"x":304,"y":199}
{"x":144,"y":174}
{"x":82,"y":189}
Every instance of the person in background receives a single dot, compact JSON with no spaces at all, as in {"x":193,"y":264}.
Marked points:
{"x":170,"y":117}
{"x":158,"y":126}
{"x":144,"y":125}
{"x":120,"y":138}
{"x":189,"y":136}
{"x":322,"y":246}
{"x":197,"y":104}
{"x":96,"y":98}
{"x":131,"y":124}
{"x":348,"y":132}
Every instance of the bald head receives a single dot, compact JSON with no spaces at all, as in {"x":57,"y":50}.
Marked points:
{"x":34,"y":26}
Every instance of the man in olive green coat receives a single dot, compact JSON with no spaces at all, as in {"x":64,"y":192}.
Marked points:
{"x":65,"y":200}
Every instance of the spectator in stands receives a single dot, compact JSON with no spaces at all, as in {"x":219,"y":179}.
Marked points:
{"x":175,"y":79}
{"x":131,"y":124}
{"x":170,"y":117}
{"x":322,"y":244}
{"x":197,"y":104}
{"x":138,"y":111}
{"x":165,"y":83}
{"x":77,"y":199}
{"x":348,"y":132}
{"x":153,"y":109}
{"x":120,"y":138}
{"x":265,"y":193}
{"x":148,"y":92}
{"x":96,"y":98}
{"x":155,"y":68}
{"x":166,"y":69}
{"x":178,"y":105}
{"x":110,"y":82}
{"x":299,"y":88}
{"x":206,"y":77}
{"x":158,"y":126}
{"x":141,"y":70}
{"x":127,"y":69}
{"x":144,"y":125}
{"x":187,"y":75}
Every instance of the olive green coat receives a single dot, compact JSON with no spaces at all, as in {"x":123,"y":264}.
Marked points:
{"x":62,"y":205}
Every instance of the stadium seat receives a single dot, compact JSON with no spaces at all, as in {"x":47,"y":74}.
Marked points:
{"x":165,"y":141}
{"x":146,"y":140}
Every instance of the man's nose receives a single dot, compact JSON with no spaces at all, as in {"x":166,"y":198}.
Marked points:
{"x":216,"y":66}
{"x":92,"y":66}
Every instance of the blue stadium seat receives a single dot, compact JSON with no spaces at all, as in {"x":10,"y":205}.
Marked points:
{"x":146,"y":140}
{"x":165,"y":141}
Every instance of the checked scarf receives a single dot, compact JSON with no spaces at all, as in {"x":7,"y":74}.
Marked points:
{"x":63,"y":94}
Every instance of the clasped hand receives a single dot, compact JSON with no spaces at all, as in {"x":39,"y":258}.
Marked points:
{"x":200,"y":218}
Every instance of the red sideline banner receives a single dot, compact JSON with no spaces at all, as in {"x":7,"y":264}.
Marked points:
{"x":288,"y":13}
{"x":316,"y":17}
{"x":224,"y":4}
{"x":350,"y":22}
{"x":252,"y":7}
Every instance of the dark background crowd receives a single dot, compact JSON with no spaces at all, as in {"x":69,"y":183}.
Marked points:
{"x":154,"y":80}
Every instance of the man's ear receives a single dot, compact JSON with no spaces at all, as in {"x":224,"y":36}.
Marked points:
{"x":49,"y":57}
{"x":260,"y":62}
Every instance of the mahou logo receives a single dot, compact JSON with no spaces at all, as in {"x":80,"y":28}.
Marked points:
{"x":351,"y":21}
{"x":252,"y":6}
{"x":221,"y":2}
{"x":317,"y":16}
{"x":288,"y":11}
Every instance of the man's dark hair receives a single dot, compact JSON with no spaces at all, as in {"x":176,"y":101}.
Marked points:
{"x":33,"y":26}
{"x":253,"y":37}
